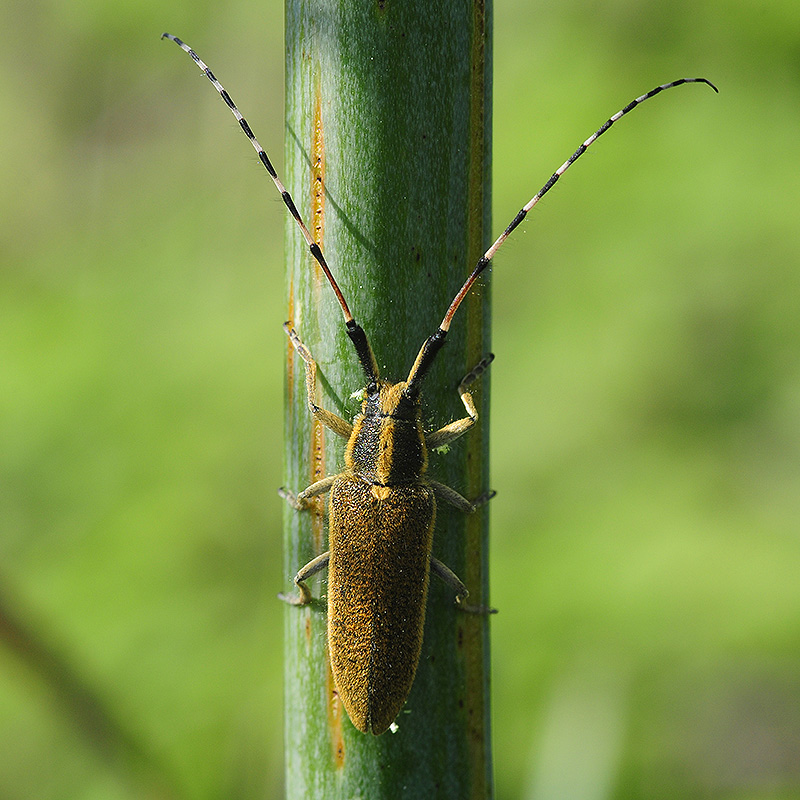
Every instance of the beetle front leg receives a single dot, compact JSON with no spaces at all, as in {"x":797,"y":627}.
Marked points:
{"x":312,"y":568}
{"x":458,"y":428}
{"x":330,"y":420}
{"x":452,"y":580}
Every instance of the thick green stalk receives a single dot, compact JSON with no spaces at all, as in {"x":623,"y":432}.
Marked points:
{"x":387,"y":157}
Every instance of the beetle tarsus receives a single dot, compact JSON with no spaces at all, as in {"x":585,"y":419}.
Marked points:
{"x":475,"y":372}
{"x":301,"y":599}
{"x":292,"y":499}
{"x":470,"y":609}
{"x":483,"y":499}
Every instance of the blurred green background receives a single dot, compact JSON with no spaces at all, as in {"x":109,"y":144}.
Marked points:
{"x":646,"y":445}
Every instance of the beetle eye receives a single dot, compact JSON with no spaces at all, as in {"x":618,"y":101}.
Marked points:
{"x":406,"y":402}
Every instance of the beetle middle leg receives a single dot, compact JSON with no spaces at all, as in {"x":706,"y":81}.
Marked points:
{"x":458,"y":500}
{"x":299,"y":502}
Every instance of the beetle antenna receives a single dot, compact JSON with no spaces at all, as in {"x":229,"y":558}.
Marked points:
{"x":434,"y":343}
{"x":354,"y":330}
{"x":484,"y":261}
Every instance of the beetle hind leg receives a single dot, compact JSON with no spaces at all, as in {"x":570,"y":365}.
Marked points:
{"x":312,"y":568}
{"x":452,"y":580}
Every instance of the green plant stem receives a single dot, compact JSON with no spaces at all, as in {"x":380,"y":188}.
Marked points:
{"x":387,"y":158}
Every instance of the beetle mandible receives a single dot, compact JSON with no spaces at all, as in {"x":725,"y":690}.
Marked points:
{"x":382,"y":506}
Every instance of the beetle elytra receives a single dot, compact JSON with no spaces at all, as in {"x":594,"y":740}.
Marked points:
{"x":382,"y":506}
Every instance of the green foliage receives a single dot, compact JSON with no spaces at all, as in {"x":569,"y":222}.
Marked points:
{"x":645,"y":446}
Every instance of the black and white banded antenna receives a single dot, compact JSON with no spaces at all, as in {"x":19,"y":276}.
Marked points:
{"x":484,"y":261}
{"x":354,"y":330}
{"x":434,"y":342}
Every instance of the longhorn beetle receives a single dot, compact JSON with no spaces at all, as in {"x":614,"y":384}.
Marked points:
{"x":382,"y":506}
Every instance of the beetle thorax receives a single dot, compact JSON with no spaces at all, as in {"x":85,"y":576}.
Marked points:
{"x":387,"y":446}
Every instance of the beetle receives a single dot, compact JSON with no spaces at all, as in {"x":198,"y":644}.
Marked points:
{"x":382,"y":505}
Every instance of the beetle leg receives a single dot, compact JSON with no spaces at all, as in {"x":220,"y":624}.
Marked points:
{"x":312,"y":568}
{"x":459,"y":501}
{"x":452,"y":580}
{"x":330,"y":420}
{"x":455,"y":429}
{"x":299,"y":502}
